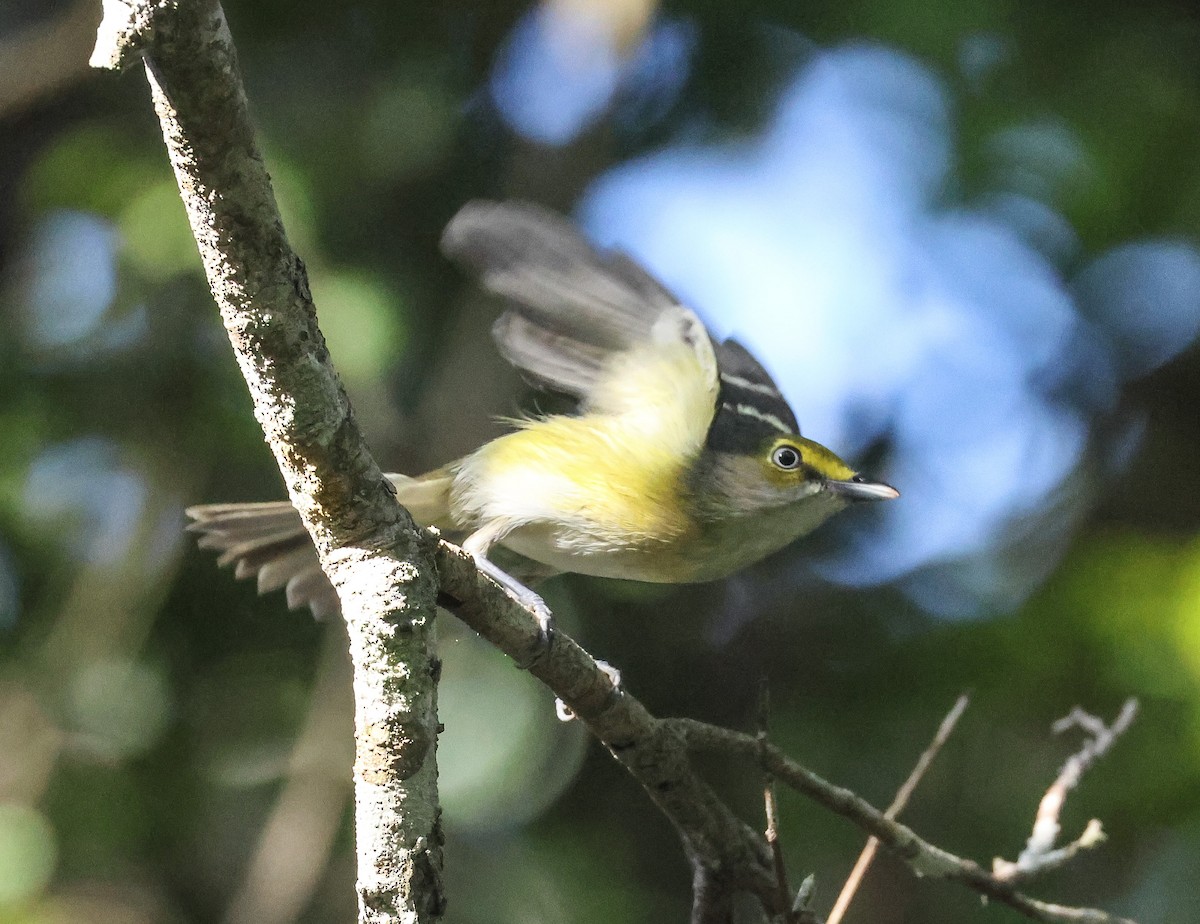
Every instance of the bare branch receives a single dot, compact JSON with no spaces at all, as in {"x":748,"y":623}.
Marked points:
{"x":924,"y":858}
{"x":380,"y":564}
{"x":1040,"y":855}
{"x":771,"y":808}
{"x":726,"y":854}
{"x":898,"y":804}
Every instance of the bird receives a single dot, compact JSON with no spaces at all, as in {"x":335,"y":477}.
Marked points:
{"x":681,"y":463}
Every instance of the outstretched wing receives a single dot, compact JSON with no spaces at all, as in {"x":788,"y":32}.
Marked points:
{"x":592,"y":325}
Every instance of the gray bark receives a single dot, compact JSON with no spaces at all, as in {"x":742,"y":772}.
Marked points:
{"x":380,"y":564}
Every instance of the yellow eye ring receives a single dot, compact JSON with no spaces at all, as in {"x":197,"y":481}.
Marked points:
{"x":786,"y":457}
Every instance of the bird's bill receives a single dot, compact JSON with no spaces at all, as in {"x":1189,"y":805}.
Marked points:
{"x":864,"y":490}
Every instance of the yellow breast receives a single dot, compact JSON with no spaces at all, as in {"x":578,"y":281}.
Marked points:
{"x":586,"y":485}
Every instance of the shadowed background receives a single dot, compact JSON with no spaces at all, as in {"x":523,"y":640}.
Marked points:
{"x":963,"y":236}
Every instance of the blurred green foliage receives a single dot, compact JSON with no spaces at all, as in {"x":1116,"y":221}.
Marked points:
{"x":162,"y":726}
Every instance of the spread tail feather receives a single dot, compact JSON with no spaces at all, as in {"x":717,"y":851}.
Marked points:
{"x":269,"y":541}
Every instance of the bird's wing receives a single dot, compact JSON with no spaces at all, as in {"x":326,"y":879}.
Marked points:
{"x":592,"y":325}
{"x":750,"y":407}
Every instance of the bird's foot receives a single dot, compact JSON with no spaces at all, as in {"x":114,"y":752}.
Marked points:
{"x":566,"y":714}
{"x":530,"y":601}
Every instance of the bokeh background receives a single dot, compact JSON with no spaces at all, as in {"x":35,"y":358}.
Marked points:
{"x":963,"y":235}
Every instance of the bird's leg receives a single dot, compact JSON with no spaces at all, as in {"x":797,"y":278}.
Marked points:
{"x":478,"y":544}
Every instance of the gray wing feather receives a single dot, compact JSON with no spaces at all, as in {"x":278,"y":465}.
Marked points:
{"x":551,"y":360}
{"x":570,"y":307}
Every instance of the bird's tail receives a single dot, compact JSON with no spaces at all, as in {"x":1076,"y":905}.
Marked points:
{"x":268,"y":540}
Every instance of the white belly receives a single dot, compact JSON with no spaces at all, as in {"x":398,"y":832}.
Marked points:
{"x":712,"y":552}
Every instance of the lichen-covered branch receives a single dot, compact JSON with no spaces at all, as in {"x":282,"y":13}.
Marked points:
{"x":726,"y":854}
{"x":380,"y":564}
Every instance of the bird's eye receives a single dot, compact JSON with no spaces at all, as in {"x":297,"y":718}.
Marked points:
{"x":786,"y":457}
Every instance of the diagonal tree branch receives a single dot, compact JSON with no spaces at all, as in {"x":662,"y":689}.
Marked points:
{"x":657,"y":753}
{"x":378,"y":561}
{"x":726,"y":854}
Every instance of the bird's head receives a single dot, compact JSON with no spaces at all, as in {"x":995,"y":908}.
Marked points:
{"x":777,"y":472}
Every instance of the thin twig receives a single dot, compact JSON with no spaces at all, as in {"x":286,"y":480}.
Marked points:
{"x":1040,"y":855}
{"x":781,"y":878}
{"x":898,"y":804}
{"x":923,"y":858}
{"x":771,"y":809}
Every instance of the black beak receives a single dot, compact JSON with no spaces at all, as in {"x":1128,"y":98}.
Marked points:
{"x":859,"y":490}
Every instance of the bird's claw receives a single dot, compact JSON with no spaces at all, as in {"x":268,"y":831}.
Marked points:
{"x":611,"y":672}
{"x":545,"y":636}
{"x":566,"y":714}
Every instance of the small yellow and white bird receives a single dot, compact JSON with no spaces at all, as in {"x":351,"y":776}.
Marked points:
{"x":684,"y":463}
